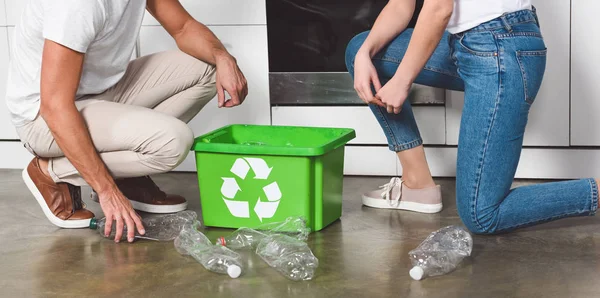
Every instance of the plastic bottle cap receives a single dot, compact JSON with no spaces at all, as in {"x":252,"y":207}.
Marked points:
{"x":234,"y":271}
{"x":93,"y":223}
{"x":416,"y":273}
{"x":221,"y":241}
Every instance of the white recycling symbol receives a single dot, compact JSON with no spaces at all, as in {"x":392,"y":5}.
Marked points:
{"x":230,"y":188}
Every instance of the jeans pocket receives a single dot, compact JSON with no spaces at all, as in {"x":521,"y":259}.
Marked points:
{"x":479,"y":43}
{"x":533,"y":66}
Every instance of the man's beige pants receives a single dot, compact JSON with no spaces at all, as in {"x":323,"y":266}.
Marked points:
{"x":139,"y":125}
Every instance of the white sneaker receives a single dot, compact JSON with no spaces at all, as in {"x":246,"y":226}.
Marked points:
{"x":396,"y":195}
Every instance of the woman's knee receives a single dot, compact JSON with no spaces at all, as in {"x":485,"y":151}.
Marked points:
{"x":352,"y":48}
{"x":478,"y":221}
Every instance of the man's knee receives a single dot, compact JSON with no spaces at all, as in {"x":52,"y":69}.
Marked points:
{"x":177,"y":140}
{"x":352,"y":48}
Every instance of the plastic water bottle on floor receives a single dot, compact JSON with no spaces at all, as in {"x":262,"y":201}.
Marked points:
{"x":159,"y":227}
{"x":242,"y":238}
{"x":246,"y":238}
{"x":290,"y":256}
{"x":441,"y":252}
{"x":214,"y":258}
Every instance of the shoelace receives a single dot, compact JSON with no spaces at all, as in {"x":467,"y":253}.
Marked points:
{"x":388,"y":189}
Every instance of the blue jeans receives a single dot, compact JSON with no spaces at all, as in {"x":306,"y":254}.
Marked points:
{"x":499,"y":65}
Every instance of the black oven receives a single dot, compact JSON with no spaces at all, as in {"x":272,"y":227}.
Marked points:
{"x":311,"y":35}
{"x":307,"y":43}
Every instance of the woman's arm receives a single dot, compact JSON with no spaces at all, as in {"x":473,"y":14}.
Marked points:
{"x":428,"y":32}
{"x":392,"y":20}
{"x":427,"y":35}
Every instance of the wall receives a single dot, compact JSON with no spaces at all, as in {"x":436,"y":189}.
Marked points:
{"x":241,"y":26}
{"x":561,"y":141}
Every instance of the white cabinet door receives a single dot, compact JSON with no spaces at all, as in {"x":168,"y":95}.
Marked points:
{"x":249,"y":45}
{"x":370,"y":161}
{"x":13,"y":11}
{"x":585,"y":72}
{"x":7,"y":130}
{"x":549,"y":116}
{"x":222,"y":12}
{"x":2,"y":13}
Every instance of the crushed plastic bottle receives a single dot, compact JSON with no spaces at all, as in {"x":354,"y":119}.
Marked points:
{"x":242,"y":238}
{"x":246,"y":238}
{"x":215,"y":258}
{"x":159,"y":227}
{"x":441,"y":252}
{"x":290,"y":256}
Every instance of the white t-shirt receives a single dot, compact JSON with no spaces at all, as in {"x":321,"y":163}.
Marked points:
{"x":105,"y":30}
{"x":469,"y":14}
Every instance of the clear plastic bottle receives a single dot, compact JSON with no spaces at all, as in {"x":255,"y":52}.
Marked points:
{"x":159,"y":227}
{"x":246,"y":238}
{"x":214,"y":258}
{"x":290,"y":256}
{"x":441,"y":252}
{"x":242,"y":238}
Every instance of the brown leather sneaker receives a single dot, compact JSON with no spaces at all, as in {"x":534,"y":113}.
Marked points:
{"x":145,"y":196}
{"x":61,"y":202}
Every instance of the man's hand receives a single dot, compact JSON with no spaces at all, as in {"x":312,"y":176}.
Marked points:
{"x":117,"y":208}
{"x":231,"y":79}
{"x":60,"y":76}
{"x":365,"y":75}
{"x":394,"y":94}
{"x":195,"y":39}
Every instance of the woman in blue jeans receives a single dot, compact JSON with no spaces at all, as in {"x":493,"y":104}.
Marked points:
{"x":493,"y":51}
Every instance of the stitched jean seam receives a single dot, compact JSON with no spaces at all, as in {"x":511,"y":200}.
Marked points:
{"x":406,"y":146}
{"x":524,"y":76}
{"x":594,"y":192}
{"x":386,"y":127}
{"x":592,"y":211}
{"x":397,"y":61}
{"x":533,"y":222}
{"x":492,"y":120}
{"x":498,"y":27}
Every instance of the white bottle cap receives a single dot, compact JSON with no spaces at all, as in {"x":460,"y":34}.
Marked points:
{"x":416,"y":273}
{"x":234,"y":271}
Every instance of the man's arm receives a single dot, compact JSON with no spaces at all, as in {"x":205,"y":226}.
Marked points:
{"x":198,"y":41}
{"x":60,"y":76}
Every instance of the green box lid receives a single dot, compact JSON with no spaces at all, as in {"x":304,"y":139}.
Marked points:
{"x":274,"y":140}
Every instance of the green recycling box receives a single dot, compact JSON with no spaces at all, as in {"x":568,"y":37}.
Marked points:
{"x":251,"y":174}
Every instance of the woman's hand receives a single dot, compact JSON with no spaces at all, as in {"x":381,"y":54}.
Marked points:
{"x":394,"y":94}
{"x":365,"y":76}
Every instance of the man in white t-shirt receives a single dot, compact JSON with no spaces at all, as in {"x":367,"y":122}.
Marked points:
{"x":90,"y":116}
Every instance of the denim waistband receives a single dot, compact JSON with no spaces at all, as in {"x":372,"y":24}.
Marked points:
{"x":508,"y":20}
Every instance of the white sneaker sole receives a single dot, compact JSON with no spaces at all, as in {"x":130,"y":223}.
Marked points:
{"x":410,"y":206}
{"x":66,"y":224}
{"x":149,"y":208}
